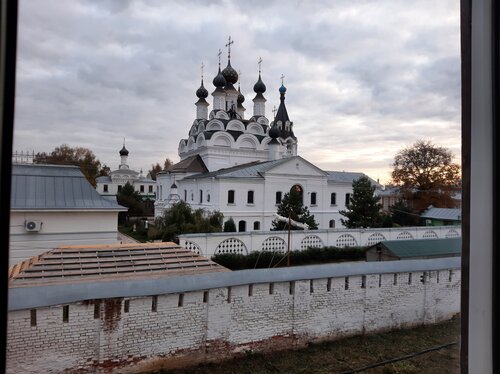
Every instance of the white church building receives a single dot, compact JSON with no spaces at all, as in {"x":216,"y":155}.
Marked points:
{"x":110,"y":185}
{"x":243,"y":167}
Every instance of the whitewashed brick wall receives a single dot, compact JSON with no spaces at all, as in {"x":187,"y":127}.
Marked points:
{"x":232,"y":320}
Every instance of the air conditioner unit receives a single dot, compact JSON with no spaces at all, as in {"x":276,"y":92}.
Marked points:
{"x":33,"y":225}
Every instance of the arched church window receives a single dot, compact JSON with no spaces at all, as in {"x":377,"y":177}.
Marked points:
{"x":208,"y":197}
{"x":256,"y":225}
{"x":332,"y":224}
{"x":242,"y":226}
{"x":201,"y":196}
{"x":297,"y":191}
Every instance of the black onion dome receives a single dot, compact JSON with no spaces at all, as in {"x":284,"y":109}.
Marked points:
{"x":219,"y":80}
{"x":202,"y":92}
{"x":124,"y":151}
{"x":259,"y":87}
{"x":241,"y":98}
{"x":230,"y":74}
{"x":274,"y":132}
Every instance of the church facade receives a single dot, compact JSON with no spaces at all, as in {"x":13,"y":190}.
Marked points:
{"x":243,"y":166}
{"x":111,"y":184}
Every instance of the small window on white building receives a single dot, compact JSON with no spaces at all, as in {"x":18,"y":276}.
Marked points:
{"x":141,"y":188}
{"x":208,"y":197}
{"x":333,"y":198}
{"x":230,"y":197}
{"x":313,"y":198}
{"x":242,"y":226}
{"x":150,"y":189}
{"x":185,"y":195}
{"x":119,"y":188}
{"x":250,"y":197}
{"x":201,"y":196}
{"x":331,"y":224}
{"x":256,"y":225}
{"x":278,"y":197}
{"x":105,"y":188}
{"x":347,"y":198}
{"x":192,"y":196}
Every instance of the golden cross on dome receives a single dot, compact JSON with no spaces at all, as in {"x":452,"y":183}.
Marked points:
{"x":260,"y":64}
{"x":228,"y":45}
{"x":202,"y":66}
{"x":282,"y":77}
{"x":219,"y":54}
{"x":274,"y":111}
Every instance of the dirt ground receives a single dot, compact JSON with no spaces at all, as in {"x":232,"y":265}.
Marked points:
{"x":347,"y":355}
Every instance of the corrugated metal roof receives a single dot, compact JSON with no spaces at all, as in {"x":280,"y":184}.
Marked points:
{"x":424,"y":247}
{"x":443,"y":213}
{"x":55,"y":187}
{"x":107,"y":262}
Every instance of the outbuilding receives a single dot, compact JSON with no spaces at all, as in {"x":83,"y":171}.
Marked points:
{"x":391,"y":250}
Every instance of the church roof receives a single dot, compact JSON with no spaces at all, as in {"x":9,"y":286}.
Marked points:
{"x":249,"y":170}
{"x":103,"y":179}
{"x":253,"y":169}
{"x":55,"y":187}
{"x":125,"y":171}
{"x":192,"y":164}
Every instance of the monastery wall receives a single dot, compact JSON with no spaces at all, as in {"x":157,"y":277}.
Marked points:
{"x":245,"y":242}
{"x":135,"y":326}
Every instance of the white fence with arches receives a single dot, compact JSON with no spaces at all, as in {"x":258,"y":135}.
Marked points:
{"x":244,"y":242}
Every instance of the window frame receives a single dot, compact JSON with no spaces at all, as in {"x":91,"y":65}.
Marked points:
{"x":231,"y":196}
{"x":250,"y":197}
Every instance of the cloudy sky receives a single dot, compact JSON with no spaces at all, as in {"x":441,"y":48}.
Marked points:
{"x":363,"y":78}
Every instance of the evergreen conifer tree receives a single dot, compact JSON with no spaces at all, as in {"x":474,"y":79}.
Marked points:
{"x":292,"y":203}
{"x":363,"y":209}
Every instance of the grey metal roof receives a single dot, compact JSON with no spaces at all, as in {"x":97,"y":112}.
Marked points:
{"x":423,"y":247}
{"x":443,"y":213}
{"x":55,"y":187}
{"x":347,"y":177}
{"x":252,"y":169}
{"x":388,"y":191}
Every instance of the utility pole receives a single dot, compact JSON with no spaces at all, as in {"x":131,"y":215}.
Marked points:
{"x":289,"y":225}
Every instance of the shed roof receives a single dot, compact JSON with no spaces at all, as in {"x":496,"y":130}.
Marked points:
{"x":72,"y":264}
{"x":443,"y":213}
{"x":55,"y":187}
{"x":423,"y":247}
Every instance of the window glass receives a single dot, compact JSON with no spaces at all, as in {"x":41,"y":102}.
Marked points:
{"x":278,"y":197}
{"x":313,"y":198}
{"x":230,"y":197}
{"x":250,"y":197}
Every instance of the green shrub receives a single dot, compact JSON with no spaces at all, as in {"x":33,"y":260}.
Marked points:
{"x":310,"y":256}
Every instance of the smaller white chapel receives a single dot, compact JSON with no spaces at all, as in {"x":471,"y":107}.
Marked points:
{"x":112,"y":184}
{"x":243,"y":166}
